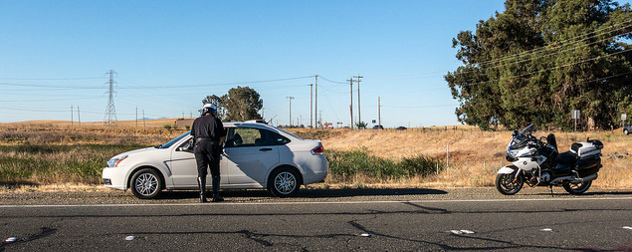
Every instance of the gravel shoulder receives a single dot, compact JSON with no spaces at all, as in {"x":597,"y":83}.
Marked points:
{"x":111,"y":196}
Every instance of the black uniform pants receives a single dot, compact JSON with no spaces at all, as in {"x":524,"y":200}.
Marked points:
{"x":207,"y":155}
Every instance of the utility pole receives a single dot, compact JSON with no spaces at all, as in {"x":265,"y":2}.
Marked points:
{"x":71,"y":112}
{"x":78,"y":116}
{"x":351,"y":95}
{"x":311,"y":122}
{"x":137,"y":117}
{"x":316,"y":99}
{"x":290,"y":98}
{"x":143,"y":118}
{"x":379,"y":109}
{"x":110,"y":112}
{"x":358,"y":81}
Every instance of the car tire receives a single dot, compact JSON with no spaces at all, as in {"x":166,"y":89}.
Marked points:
{"x":146,"y":183}
{"x":284,"y":182}
{"x":625,"y":131}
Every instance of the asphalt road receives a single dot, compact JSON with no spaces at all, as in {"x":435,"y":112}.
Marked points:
{"x":345,"y":220}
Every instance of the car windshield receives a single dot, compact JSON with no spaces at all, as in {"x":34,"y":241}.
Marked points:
{"x":522,"y":138}
{"x":168,"y":144}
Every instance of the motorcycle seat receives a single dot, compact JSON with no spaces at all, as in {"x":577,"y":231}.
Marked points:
{"x":567,"y":158}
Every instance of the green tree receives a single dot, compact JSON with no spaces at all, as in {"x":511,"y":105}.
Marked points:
{"x":217,"y":101}
{"x":540,"y":59}
{"x":361,"y":125}
{"x":240,"y":104}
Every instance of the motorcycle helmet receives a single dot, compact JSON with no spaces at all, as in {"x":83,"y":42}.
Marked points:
{"x":209,"y":108}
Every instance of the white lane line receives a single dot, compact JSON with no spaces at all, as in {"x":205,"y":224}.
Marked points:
{"x":312,"y":202}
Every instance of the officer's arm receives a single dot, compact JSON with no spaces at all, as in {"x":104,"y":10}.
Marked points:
{"x":221,"y":140}
{"x":193,"y":134}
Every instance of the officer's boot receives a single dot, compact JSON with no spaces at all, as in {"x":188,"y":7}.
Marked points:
{"x":202,"y":186}
{"x":216,"y":197}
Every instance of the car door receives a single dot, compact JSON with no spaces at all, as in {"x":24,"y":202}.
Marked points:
{"x":250,"y":153}
{"x":184,"y":167}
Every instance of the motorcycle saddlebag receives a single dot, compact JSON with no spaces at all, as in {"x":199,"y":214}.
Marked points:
{"x":588,"y":165}
{"x":589,"y":148}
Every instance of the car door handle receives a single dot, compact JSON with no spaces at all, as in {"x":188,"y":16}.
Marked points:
{"x":265,"y":149}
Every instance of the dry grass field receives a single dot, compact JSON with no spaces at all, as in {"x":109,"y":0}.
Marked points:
{"x":474,"y":155}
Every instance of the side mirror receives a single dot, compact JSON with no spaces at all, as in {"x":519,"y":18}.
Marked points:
{"x":186,"y":148}
{"x":514,"y":133}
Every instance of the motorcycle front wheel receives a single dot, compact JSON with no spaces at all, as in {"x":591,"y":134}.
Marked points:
{"x":509,"y":184}
{"x":577,"y":189}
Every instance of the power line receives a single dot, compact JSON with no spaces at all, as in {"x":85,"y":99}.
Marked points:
{"x":549,"y":69}
{"x":546,"y":50}
{"x":51,"y":79}
{"x":573,"y":40}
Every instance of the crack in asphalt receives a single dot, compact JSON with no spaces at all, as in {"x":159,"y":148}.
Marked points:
{"x":44,"y":232}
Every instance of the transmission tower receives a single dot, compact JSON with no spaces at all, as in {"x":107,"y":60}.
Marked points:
{"x":110,"y":111}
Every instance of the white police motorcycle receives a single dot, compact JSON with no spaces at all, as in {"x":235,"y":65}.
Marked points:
{"x":537,"y":163}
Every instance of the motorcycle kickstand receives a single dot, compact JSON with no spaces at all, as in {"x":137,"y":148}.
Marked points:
{"x":551,"y":188}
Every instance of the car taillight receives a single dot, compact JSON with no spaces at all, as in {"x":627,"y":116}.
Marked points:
{"x":318,"y":150}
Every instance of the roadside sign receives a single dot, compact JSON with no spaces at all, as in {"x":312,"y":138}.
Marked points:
{"x":624,"y":117}
{"x":575,"y":114}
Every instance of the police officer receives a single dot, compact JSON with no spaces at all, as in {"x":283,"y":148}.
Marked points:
{"x":208,"y":136}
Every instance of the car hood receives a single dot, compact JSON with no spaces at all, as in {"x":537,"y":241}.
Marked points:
{"x":135,"y":151}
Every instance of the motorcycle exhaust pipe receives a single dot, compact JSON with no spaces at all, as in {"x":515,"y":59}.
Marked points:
{"x":585,"y":179}
{"x":559,"y":180}
{"x":573,"y":179}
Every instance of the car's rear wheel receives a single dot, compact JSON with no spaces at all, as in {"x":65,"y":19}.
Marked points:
{"x":284,"y":182}
{"x":146,"y":183}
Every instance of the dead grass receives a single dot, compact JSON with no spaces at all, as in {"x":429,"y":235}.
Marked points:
{"x":474,"y":155}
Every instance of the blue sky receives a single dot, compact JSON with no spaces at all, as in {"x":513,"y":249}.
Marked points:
{"x":169,"y":55}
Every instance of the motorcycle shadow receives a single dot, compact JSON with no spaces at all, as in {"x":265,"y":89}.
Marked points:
{"x":562,"y":192}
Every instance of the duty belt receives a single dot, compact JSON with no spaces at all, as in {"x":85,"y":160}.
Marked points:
{"x":200,"y":139}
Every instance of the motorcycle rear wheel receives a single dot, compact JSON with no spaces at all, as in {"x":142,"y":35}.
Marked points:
{"x":506,"y":184}
{"x":577,"y":189}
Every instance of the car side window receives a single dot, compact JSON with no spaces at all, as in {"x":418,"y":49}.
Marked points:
{"x":271,"y":138}
{"x":237,"y":137}
{"x":244,"y":136}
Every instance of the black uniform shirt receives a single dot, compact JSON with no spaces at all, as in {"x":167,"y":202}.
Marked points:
{"x":208,"y":126}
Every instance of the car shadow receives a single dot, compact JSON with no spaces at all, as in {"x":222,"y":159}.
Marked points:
{"x":336,"y":193}
{"x":306,"y":193}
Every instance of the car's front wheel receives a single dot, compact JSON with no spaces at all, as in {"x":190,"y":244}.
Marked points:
{"x":146,"y":183}
{"x":284,"y":182}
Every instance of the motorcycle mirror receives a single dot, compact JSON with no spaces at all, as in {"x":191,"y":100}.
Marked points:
{"x":514,"y":133}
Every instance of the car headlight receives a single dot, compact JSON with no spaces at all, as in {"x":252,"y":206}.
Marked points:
{"x":115,"y":161}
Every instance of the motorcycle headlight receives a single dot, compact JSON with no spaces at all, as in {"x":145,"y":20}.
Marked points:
{"x":513,"y":153}
{"x":115,"y":161}
{"x":528,"y":153}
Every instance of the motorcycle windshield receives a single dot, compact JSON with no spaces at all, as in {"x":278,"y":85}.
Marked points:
{"x":521,"y":139}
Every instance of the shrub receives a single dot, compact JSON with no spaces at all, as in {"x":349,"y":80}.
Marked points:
{"x":351,"y":163}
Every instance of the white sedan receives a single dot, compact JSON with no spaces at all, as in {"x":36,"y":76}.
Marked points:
{"x":256,"y":155}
